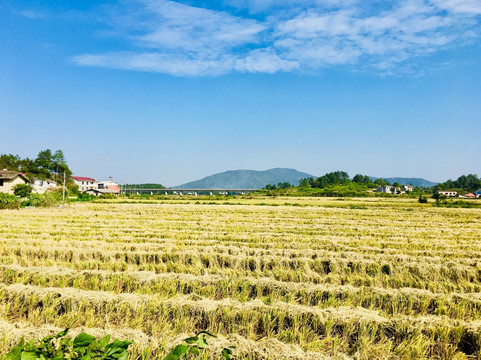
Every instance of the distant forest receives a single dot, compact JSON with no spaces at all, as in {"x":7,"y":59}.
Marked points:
{"x":333,"y":178}
{"x":338,"y":183}
{"x":469,"y":183}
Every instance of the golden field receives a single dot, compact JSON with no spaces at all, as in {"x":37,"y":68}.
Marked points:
{"x":280,"y":278}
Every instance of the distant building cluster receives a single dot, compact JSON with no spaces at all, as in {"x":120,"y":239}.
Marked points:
{"x":93,"y":187}
{"x":390,"y":189}
{"x":452,"y":193}
{"x":8,"y":180}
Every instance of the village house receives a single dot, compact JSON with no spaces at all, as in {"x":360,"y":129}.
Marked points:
{"x":448,"y":193}
{"x":8,"y":180}
{"x":389,"y":189}
{"x":99,"y":192}
{"x":85,"y":183}
{"x":110,"y":185}
{"x":408,"y":187}
{"x":41,"y":186}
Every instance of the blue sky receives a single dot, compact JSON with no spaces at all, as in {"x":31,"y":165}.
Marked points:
{"x":172,"y":91}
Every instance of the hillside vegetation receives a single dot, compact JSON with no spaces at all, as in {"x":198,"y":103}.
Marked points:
{"x":246,"y":179}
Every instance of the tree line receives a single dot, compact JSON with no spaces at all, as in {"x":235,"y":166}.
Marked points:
{"x":469,"y":183}
{"x":48,"y":165}
{"x":341,"y":178}
{"x":339,"y":182}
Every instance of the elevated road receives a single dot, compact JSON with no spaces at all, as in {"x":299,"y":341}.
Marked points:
{"x":175,"y":191}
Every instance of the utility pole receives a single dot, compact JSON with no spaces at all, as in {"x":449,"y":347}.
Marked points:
{"x":63,"y":191}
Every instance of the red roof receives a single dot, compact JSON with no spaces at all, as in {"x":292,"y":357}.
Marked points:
{"x":114,"y":188}
{"x":81,"y":178}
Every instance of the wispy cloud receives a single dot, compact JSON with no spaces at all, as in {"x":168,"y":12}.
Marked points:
{"x":305,"y":35}
{"x":460,"y":6}
{"x":32,"y":14}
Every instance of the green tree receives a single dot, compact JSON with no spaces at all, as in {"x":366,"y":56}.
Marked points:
{"x":22,"y":190}
{"x":47,"y":165}
{"x":9,"y":162}
{"x":439,"y":197}
{"x":332,"y":178}
{"x":423,"y":199}
{"x":361,"y":179}
{"x":468,"y":183}
{"x":44,"y":159}
{"x":304,"y":183}
{"x":284,"y":185}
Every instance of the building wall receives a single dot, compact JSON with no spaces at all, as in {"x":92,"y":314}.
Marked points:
{"x":449,"y":193}
{"x":388,"y":189}
{"x":85,"y":185}
{"x":9,"y":184}
{"x":41,"y":186}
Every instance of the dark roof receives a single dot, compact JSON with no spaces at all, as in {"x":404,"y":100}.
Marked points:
{"x":101,"y":191}
{"x":10,"y":175}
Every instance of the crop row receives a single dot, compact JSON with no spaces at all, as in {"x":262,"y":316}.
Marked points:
{"x":370,"y":278}
{"x":463,"y":254}
{"x":351,"y":328}
{"x":438,"y":277}
{"x":387,"y":301}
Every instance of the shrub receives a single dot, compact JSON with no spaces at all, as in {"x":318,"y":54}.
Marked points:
{"x":9,"y":201}
{"x":60,"y":346}
{"x":22,"y":190}
{"x":42,"y":200}
{"x":195,"y":345}
{"x":423,"y":199}
{"x":85,"y":346}
{"x":86,"y":197}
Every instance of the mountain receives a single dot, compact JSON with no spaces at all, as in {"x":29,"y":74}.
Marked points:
{"x":409,"y":181}
{"x":246,"y":179}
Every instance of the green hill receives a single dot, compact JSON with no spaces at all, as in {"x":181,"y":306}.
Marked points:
{"x":246,"y":179}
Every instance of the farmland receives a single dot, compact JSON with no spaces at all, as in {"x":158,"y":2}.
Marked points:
{"x":292,"y":278}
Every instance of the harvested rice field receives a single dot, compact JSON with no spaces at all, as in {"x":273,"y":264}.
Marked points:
{"x":284,"y":278}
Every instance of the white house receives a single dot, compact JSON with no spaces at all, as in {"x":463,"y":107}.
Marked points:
{"x":389,"y":189}
{"x":85,"y":183}
{"x":448,"y":193}
{"x":8,"y":180}
{"x":110,"y":185}
{"x":40,"y":186}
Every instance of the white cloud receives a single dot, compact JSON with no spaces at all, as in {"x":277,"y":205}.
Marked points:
{"x":264,"y":60}
{"x":171,"y":37}
{"x":155,"y":62}
{"x":196,"y":29}
{"x":347,"y":35}
{"x":180,"y":65}
{"x":460,"y":6}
